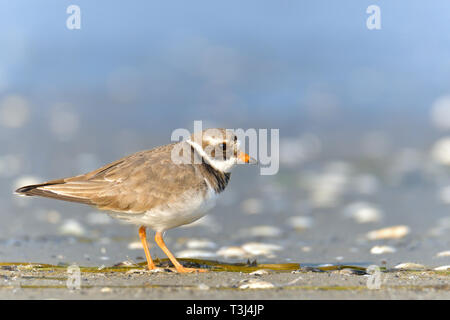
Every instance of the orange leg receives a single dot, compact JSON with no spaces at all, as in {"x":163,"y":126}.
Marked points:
{"x":143,"y":237}
{"x":159,"y":240}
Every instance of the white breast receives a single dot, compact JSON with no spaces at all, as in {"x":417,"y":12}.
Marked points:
{"x":190,"y":206}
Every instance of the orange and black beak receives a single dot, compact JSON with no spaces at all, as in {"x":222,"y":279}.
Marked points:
{"x":245,"y":158}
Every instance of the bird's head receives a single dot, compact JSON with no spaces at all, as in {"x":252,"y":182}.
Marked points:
{"x":220,"y":148}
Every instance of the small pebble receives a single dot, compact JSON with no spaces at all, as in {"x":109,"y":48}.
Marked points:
{"x":442,"y":268}
{"x":136,"y":245}
{"x":441,"y":151}
{"x":200,"y":244}
{"x":125,"y":263}
{"x":138,"y":271}
{"x":443,"y":254}
{"x":260,"y":272}
{"x":106,"y":290}
{"x":72,"y":227}
{"x":232,"y":252}
{"x":255,"y":284}
{"x":261,"y":249}
{"x":363,"y":212}
{"x":203,"y":286}
{"x":350,"y":272}
{"x":410,"y":266}
{"x":195,"y":254}
{"x":382,"y":249}
{"x":158,"y":270}
{"x":262,"y":231}
{"x":301,"y":222}
{"x":394,"y":232}
{"x":309,"y":269}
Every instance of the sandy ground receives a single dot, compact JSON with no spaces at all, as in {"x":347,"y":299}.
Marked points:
{"x":34,"y":282}
{"x":323,"y":213}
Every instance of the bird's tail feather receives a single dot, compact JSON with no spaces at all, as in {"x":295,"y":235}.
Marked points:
{"x":44,"y":190}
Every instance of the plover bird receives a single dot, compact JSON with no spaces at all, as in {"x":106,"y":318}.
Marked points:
{"x":159,"y":189}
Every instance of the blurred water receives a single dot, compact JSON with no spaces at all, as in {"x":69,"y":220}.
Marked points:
{"x":359,"y":114}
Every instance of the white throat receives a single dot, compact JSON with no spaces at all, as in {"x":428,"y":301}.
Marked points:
{"x":220,"y":165}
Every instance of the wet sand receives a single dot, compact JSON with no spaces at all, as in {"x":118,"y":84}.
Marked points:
{"x":328,"y":212}
{"x":49,"y":282}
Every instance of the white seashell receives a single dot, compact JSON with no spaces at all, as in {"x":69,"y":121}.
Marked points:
{"x":443,"y":254}
{"x":255,"y":284}
{"x":159,"y":270}
{"x":139,"y":271}
{"x":259,"y":249}
{"x":252,"y":206}
{"x":301,"y":222}
{"x":363,"y":212}
{"x":72,"y":227}
{"x":410,"y":266}
{"x":200,"y":244}
{"x":442,"y":268}
{"x":262,"y":231}
{"x":202,"y":286}
{"x":441,"y":151}
{"x":259,"y":272}
{"x":195,"y":254}
{"x":232,"y":252}
{"x":136,"y":245}
{"x":382,"y":249}
{"x":394,"y":232}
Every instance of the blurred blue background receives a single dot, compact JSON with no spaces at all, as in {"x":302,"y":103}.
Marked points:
{"x":372,"y":100}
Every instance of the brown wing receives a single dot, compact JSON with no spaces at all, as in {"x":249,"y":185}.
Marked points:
{"x":134,"y":184}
